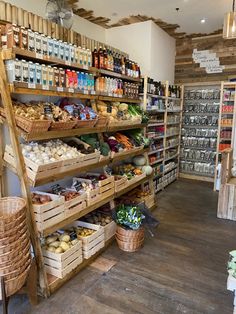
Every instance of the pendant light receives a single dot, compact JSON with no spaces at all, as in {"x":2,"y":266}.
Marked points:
{"x":229,"y":30}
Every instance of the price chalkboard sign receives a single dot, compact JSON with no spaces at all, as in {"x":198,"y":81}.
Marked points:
{"x":56,"y":189}
{"x":77,"y":185}
{"x":73,"y":235}
{"x":47,"y":109}
{"x":120,"y":114}
{"x":109,"y":108}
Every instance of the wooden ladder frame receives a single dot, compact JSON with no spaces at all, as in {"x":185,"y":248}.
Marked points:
{"x":21,"y":172}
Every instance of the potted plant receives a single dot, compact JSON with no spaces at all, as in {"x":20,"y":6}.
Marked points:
{"x":130,"y":232}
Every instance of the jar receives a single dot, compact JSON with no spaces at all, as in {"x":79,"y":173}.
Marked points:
{"x":44,"y":45}
{"x":72,"y":53}
{"x":32,"y":73}
{"x":23,"y":38}
{"x":50,"y":47}
{"x":76,"y":55}
{"x":38,"y":69}
{"x":69,"y":79}
{"x":25,"y":71}
{"x":62,"y":78}
{"x":75,"y":79}
{"x":38,"y":42}
{"x":56,"y":48}
{"x":31,"y":40}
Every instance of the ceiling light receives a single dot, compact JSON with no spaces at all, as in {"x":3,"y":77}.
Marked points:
{"x":229,"y":30}
{"x":203,"y":21}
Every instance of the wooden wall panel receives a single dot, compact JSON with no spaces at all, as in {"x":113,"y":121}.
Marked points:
{"x":186,"y":71}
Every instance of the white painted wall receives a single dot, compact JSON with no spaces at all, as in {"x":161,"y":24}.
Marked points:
{"x":147,"y":44}
{"x":80,"y":25}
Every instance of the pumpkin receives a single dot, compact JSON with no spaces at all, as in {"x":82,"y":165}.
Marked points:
{"x":147,"y":169}
{"x":139,"y":160}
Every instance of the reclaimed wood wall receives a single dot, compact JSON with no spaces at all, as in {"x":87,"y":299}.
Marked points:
{"x":186,"y":71}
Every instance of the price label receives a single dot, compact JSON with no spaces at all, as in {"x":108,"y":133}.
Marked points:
{"x":109,"y":108}
{"x":93,"y":92}
{"x":31,"y":85}
{"x":120,"y":96}
{"x":85,"y":67}
{"x":47,"y":109}
{"x":71,"y":90}
{"x":78,"y":186}
{"x":120,"y":114}
{"x":68,"y":63}
{"x":110,"y":94}
{"x":85,"y":92}
{"x":56,"y":189}
{"x":45,"y":87}
{"x":39,"y":55}
{"x":94,"y":181}
{"x":60,"y":89}
{"x":73,"y":235}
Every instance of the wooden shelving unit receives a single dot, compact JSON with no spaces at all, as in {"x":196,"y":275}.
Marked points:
{"x":47,"y":283}
{"x":169,"y":115}
{"x":199,"y":131}
{"x":227,"y":111}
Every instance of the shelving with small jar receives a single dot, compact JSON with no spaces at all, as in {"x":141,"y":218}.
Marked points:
{"x":199,"y":131}
{"x":163,"y":103}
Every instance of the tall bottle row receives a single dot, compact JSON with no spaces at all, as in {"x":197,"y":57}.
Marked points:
{"x":199,"y":131}
{"x":165,"y":115}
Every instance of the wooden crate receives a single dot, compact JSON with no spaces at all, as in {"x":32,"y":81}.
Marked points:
{"x":50,"y":213}
{"x":120,"y":183}
{"x":136,"y":179}
{"x":92,"y":158}
{"x":61,"y":264}
{"x":76,"y":204}
{"x":36,"y":172}
{"x":106,"y":187}
{"x":109,"y":230}
{"x":93,"y":195}
{"x":126,"y":152}
{"x":92,"y":243}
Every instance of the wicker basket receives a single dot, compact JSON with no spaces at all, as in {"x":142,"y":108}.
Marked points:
{"x":16,"y":266}
{"x":13,"y":256}
{"x":32,"y":126}
{"x":20,"y":224}
{"x":14,"y":284}
{"x":8,"y":240}
{"x":102,"y":121}
{"x":63,"y":125}
{"x":86,"y":123}
{"x":129,"y":240}
{"x":2,"y":112}
{"x":22,"y":241}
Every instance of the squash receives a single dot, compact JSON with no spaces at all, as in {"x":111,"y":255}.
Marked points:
{"x":139,"y":160}
{"x":148,"y":170}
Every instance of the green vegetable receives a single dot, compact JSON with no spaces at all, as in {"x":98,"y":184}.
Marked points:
{"x":105,"y":149}
{"x":129,"y":216}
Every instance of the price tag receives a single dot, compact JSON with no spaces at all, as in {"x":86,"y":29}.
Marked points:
{"x":31,"y":85}
{"x":110,"y":94}
{"x":56,"y":189}
{"x":120,"y":114}
{"x":78,"y":186}
{"x":39,"y":55}
{"x":85,"y":92}
{"x":73,"y":235}
{"x":60,"y":89}
{"x":94,"y":181}
{"x":85,"y":67}
{"x":45,"y":87}
{"x":71,"y":90}
{"x":47,"y":109}
{"x":68,"y":63}
{"x":93,"y":92}
{"x":109,"y":108}
{"x":120,"y":96}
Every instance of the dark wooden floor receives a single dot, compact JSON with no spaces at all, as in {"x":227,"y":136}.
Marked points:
{"x":181,"y":270}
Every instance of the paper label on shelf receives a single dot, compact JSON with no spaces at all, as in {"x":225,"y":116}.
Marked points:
{"x":71,"y":90}
{"x":68,"y":63}
{"x":109,"y":108}
{"x":78,"y":186}
{"x":60,"y":89}
{"x":31,"y":85}
{"x":39,"y":55}
{"x":45,"y":87}
{"x":93,"y":92}
{"x":85,"y":67}
{"x":85,"y":92}
{"x":47,"y":109}
{"x":110,"y":94}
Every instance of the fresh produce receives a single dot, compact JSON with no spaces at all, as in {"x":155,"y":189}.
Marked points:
{"x":129,"y":216}
{"x":84,"y":232}
{"x":48,"y":152}
{"x":127,"y":169}
{"x":59,"y":243}
{"x":232,"y":263}
{"x":69,"y":195}
{"x":39,"y":199}
{"x":98,"y":218}
{"x":78,"y":110}
{"x":84,"y":149}
{"x":29,"y":111}
{"x":124,"y":140}
{"x":138,"y":137}
{"x":139,"y":160}
{"x":147,"y":169}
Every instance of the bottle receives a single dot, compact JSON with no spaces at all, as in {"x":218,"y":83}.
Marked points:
{"x":105,"y":61}
{"x":100,"y":58}
{"x":81,"y":58}
{"x":85,"y":57}
{"x":89,"y":58}
{"x":122,"y":65}
{"x":95,"y":58}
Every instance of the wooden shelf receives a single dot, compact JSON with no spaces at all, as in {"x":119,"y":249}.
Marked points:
{"x":171,"y":157}
{"x":196,"y":176}
{"x":174,"y":98}
{"x":171,"y":135}
{"x":173,"y":123}
{"x":118,"y":75}
{"x":155,"y":151}
{"x":200,"y":126}
{"x":77,"y":132}
{"x":120,"y":99}
{"x":155,"y":124}
{"x":201,"y":113}
{"x":173,"y":146}
{"x":156,"y":162}
{"x":199,"y":148}
{"x":88,"y":209}
{"x":55,"y":283}
{"x":226,"y":126}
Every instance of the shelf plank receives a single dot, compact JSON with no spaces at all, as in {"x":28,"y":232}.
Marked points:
{"x":156,"y":162}
{"x":55,"y":283}
{"x":172,"y":157}
{"x":118,"y":75}
{"x":200,"y":114}
{"x":196,"y":176}
{"x":155,"y":151}
{"x":120,"y":99}
{"x":172,"y":135}
{"x":200,"y":127}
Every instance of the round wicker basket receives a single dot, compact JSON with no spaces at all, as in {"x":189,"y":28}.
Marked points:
{"x":17,"y":234}
{"x":129,"y":240}
{"x":5,"y":227}
{"x":14,"y":245}
{"x":14,"y":256}
{"x":11,"y":208}
{"x":18,"y":228}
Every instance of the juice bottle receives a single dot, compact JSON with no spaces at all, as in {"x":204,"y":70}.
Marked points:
{"x":105,"y":61}
{"x":95,"y":58}
{"x":85,"y":57}
{"x":89,"y":56}
{"x":80,"y":56}
{"x":100,"y":59}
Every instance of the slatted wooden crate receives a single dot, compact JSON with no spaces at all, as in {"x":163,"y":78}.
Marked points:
{"x":93,"y":243}
{"x":227,"y":202}
{"x":127,"y":152}
{"x":61,"y":264}
{"x":76,"y":204}
{"x":135,"y":179}
{"x":109,"y":230}
{"x":106,"y":187}
{"x":120,"y":183}
{"x":50,"y":213}
{"x":92,"y":195}
{"x":36,"y":172}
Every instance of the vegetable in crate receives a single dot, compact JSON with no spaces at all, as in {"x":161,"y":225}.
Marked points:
{"x":129,"y":216}
{"x":39,"y":199}
{"x":59,"y":243}
{"x":139,"y":138}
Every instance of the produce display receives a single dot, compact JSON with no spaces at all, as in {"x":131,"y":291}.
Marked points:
{"x":116,"y":112}
{"x":232,"y":263}
{"x":51,"y":151}
{"x":128,"y":170}
{"x":78,"y":110}
{"x":92,"y":140}
{"x":80,"y":146}
{"x":59,"y":243}
{"x":40,"y":199}
{"x":129,"y":216}
{"x":98,"y":218}
{"x":69,"y":195}
{"x":84,"y":232}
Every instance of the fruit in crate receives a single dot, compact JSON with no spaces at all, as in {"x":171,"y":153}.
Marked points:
{"x":48,"y":152}
{"x":98,"y":218}
{"x":39,"y":199}
{"x":59,"y":243}
{"x":69,"y":195}
{"x":84,"y":232}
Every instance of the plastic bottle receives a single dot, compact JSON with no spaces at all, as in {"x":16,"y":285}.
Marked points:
{"x":95,"y":58}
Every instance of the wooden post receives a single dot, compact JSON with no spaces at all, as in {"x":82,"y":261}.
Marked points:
{"x":4,"y":297}
{"x":21,"y":170}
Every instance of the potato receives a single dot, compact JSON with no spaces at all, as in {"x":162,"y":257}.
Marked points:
{"x":64,"y":238}
{"x":51,"y":239}
{"x":58,"y":250}
{"x":51,"y":249}
{"x":64,"y":246}
{"x":55,"y":244}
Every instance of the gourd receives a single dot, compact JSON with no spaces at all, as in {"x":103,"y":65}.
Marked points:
{"x":147,"y":169}
{"x":139,"y":160}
